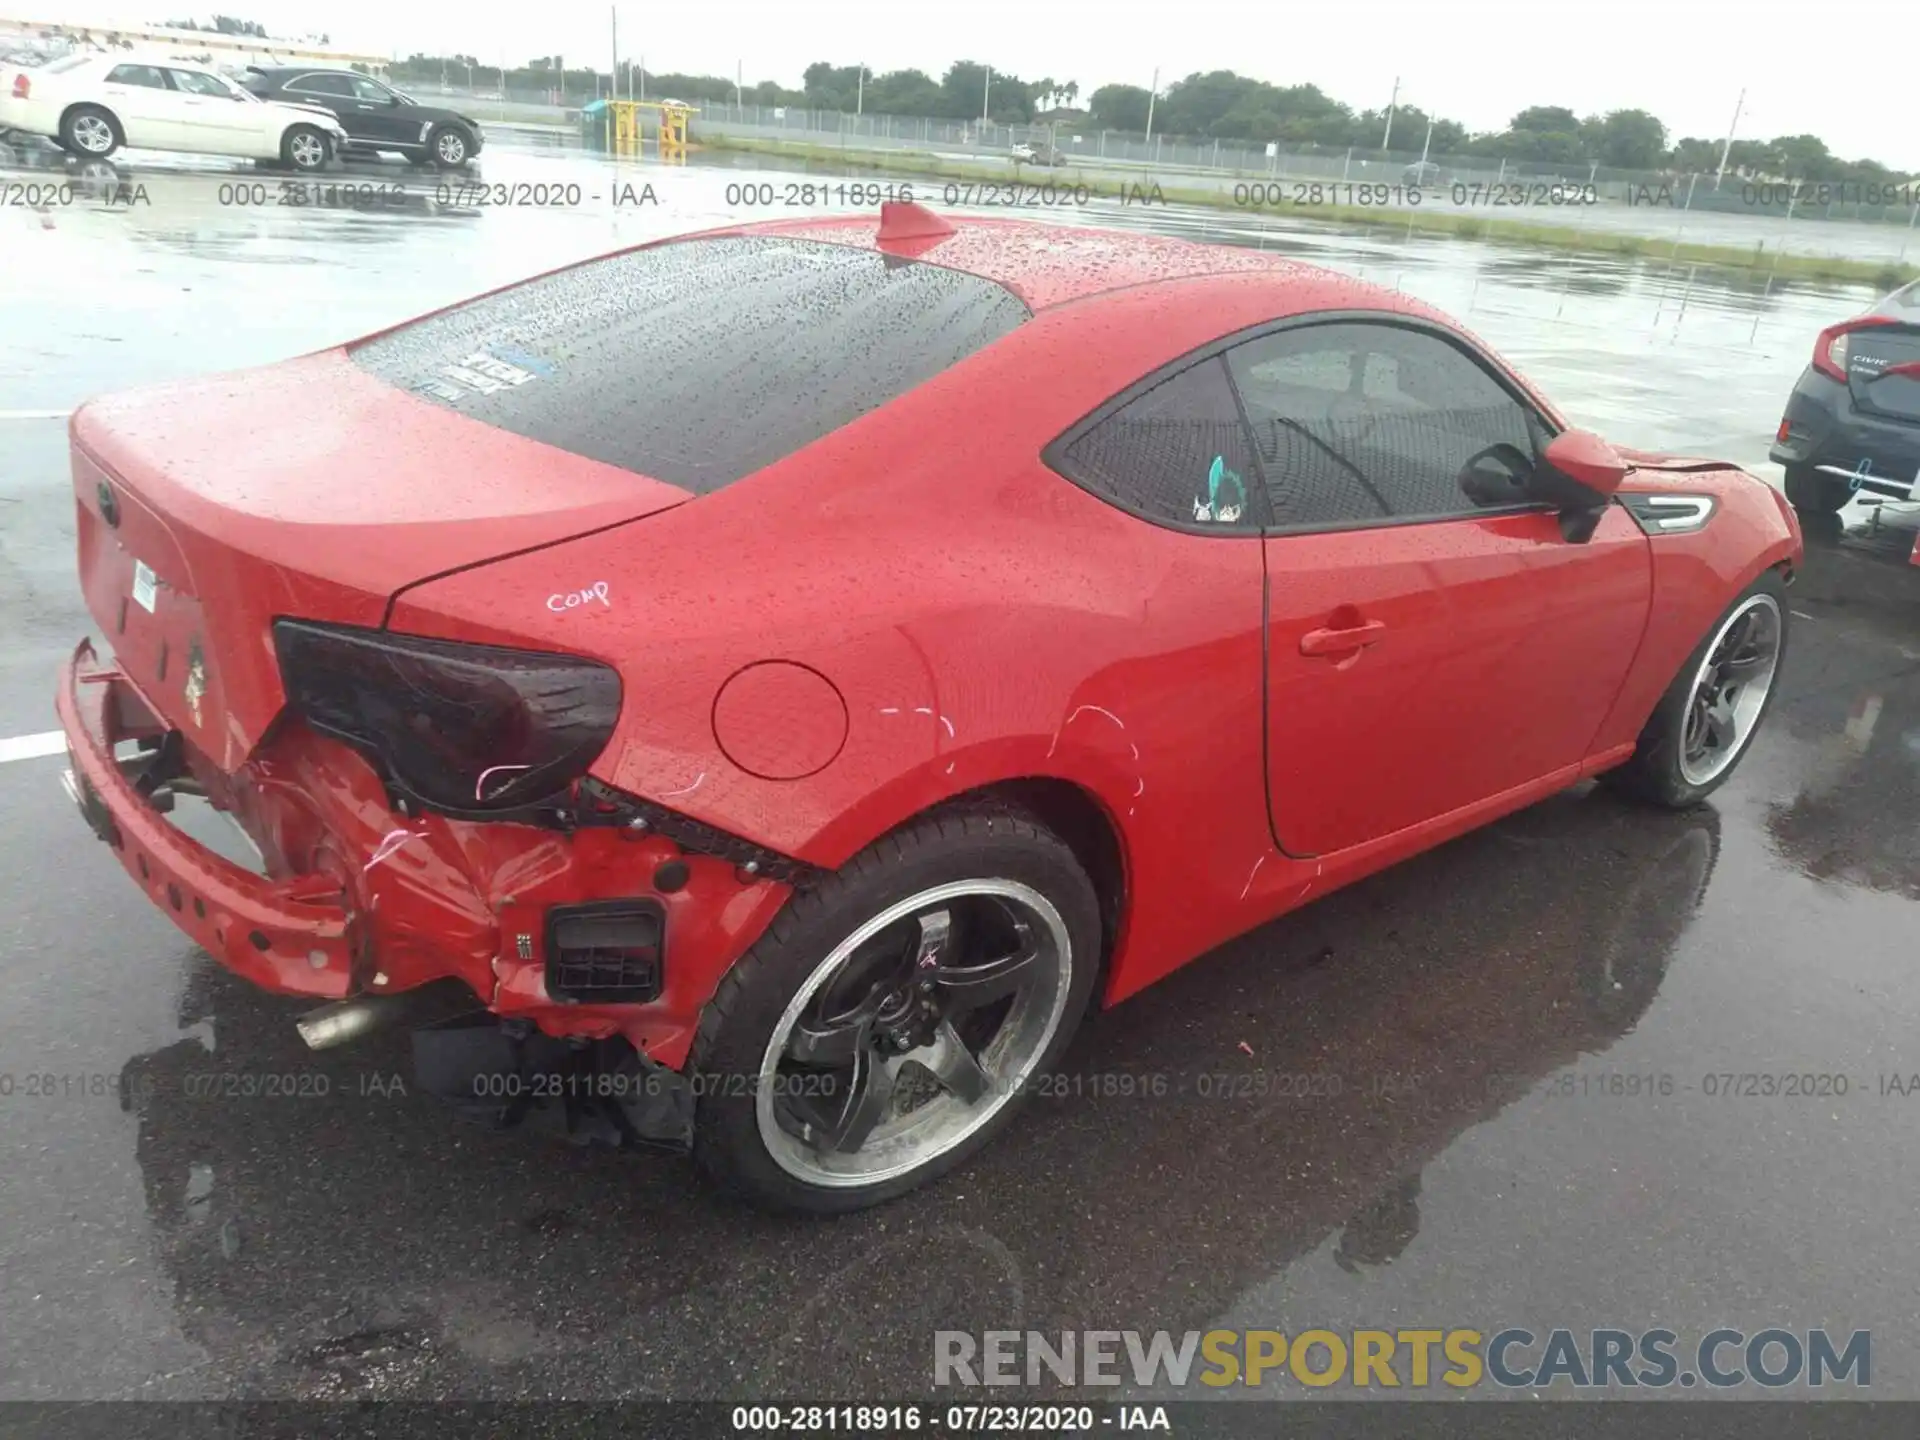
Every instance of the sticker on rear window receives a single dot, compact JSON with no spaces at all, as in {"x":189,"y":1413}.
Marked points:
{"x":483,"y":373}
{"x":146,"y":586}
{"x":1213,"y":505}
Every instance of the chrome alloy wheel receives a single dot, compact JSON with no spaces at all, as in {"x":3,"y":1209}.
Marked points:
{"x":1730,"y":689}
{"x":93,"y":134}
{"x":914,"y":1032}
{"x":307,"y":150}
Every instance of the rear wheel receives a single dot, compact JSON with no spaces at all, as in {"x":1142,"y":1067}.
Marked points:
{"x":90,"y":132}
{"x":305,"y":148}
{"x":1707,"y":718}
{"x":886,"y":1026}
{"x":1815,"y":493}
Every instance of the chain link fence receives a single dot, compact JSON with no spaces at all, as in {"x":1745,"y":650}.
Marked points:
{"x":1476,"y":180}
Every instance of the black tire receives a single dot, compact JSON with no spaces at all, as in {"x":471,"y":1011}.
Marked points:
{"x":305,"y":149}
{"x":1654,"y":773}
{"x":1815,"y":493}
{"x":739,"y":1022}
{"x":449,"y":147}
{"x":83,"y":120}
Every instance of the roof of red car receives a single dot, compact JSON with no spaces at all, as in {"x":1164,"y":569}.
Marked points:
{"x":1051,"y":264}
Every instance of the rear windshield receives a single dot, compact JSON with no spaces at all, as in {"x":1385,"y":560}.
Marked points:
{"x":700,"y":361}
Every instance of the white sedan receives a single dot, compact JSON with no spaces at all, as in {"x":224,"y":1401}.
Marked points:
{"x":91,"y":105}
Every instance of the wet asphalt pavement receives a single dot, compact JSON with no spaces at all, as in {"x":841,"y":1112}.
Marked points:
{"x":1489,"y":1143}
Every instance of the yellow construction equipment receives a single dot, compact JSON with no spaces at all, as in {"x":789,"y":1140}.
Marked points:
{"x":629,"y":129}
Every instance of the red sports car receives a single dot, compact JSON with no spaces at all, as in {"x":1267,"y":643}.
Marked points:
{"x":789,"y":674}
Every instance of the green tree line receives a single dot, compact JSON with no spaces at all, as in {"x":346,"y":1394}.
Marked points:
{"x":1219,"y":104}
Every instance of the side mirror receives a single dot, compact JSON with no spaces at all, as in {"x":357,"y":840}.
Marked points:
{"x":1579,"y":472}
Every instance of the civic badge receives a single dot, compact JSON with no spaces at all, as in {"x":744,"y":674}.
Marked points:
{"x":196,"y":680}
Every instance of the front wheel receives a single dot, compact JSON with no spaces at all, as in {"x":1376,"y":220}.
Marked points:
{"x":1706,"y":720}
{"x":1814,"y":493}
{"x":305,"y":149}
{"x":449,"y":148}
{"x":887,"y":1025}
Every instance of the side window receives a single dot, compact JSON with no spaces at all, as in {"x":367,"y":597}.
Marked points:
{"x":322,"y":85}
{"x":192,"y":82}
{"x":150,"y":76}
{"x":1177,"y":453}
{"x":1362,"y":422}
{"x":370,"y":92}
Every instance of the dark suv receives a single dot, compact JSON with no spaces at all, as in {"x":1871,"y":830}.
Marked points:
{"x":376,"y":116}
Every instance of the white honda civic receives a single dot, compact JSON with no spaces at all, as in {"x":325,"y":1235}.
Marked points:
{"x":92,"y":105}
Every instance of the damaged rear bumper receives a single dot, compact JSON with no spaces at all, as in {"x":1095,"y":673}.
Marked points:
{"x":295,"y":936}
{"x":361,"y":899}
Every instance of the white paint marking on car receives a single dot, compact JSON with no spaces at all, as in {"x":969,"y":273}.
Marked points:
{"x":575,"y":599}
{"x":34,"y":747}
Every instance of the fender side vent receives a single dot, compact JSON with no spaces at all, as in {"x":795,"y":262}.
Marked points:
{"x":610,"y":953}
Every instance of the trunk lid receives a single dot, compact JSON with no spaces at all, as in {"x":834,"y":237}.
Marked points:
{"x":311,"y":489}
{"x":1883,"y":370}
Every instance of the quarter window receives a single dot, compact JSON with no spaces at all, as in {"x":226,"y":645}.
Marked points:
{"x":1363,"y":422}
{"x":1179,"y":453}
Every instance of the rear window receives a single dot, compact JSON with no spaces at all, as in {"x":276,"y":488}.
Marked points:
{"x":700,"y":361}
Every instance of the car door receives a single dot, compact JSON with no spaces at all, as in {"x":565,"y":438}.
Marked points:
{"x":1433,"y":640}
{"x":390,"y":121}
{"x":152,"y":114}
{"x":215,"y":120}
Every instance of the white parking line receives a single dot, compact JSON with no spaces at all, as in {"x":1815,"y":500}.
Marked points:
{"x":32,"y":747}
{"x":34,"y":414}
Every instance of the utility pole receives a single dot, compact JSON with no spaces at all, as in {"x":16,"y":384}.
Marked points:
{"x":860,"y":93}
{"x":1426,"y":145}
{"x":986,"y":95}
{"x":1153,"y":93}
{"x":1727,"y":148}
{"x":739,"y":68}
{"x":1392,"y":105}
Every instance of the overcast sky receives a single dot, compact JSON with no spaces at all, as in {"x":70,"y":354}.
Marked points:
{"x":1475,"y":61}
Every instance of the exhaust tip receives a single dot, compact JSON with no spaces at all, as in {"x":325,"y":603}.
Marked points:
{"x":346,"y":1020}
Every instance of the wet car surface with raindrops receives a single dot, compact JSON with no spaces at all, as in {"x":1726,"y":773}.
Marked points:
{"x":1505,"y":1081}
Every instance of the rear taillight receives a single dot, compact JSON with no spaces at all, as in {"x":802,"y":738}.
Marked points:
{"x":1830,"y":348}
{"x":463,"y":729}
{"x":22,"y":87}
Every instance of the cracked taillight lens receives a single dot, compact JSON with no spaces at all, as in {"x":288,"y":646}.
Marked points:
{"x":465,"y":729}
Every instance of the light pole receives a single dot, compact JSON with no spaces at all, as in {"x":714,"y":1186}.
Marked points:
{"x":860,"y":93}
{"x":1153,"y":93}
{"x":1426,"y":145}
{"x":1392,"y":105}
{"x":739,"y":68}
{"x":1727,"y":148}
{"x":986,"y":94}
